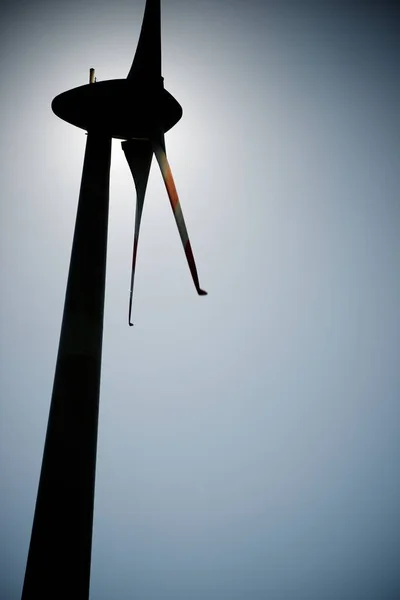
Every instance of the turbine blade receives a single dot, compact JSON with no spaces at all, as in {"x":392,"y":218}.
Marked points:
{"x":147,"y":61}
{"x":139,"y":154}
{"x":159,"y":151}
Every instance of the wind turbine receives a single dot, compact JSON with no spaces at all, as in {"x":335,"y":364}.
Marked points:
{"x":139,"y":111}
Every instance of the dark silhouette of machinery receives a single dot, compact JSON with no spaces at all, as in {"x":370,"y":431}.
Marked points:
{"x":139,"y":111}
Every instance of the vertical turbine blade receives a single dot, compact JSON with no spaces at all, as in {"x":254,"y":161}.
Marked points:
{"x":138,"y":154}
{"x":147,"y":61}
{"x":159,"y":151}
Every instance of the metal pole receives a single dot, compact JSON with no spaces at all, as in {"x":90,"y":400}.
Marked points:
{"x":58,"y":566}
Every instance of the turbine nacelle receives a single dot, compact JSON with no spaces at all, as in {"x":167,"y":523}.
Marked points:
{"x":121,"y":108}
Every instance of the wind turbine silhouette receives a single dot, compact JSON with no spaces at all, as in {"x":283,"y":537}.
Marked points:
{"x":139,"y":111}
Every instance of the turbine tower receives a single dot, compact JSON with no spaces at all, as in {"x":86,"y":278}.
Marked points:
{"x":137,"y":110}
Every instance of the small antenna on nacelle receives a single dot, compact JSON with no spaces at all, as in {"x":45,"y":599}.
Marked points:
{"x":92,"y":78}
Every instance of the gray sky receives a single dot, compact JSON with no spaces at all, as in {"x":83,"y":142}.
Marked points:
{"x":249,"y":440}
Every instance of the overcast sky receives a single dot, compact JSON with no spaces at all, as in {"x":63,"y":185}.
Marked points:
{"x":248,"y":440}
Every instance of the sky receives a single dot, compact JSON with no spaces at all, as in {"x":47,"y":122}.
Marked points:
{"x":248,"y":440}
